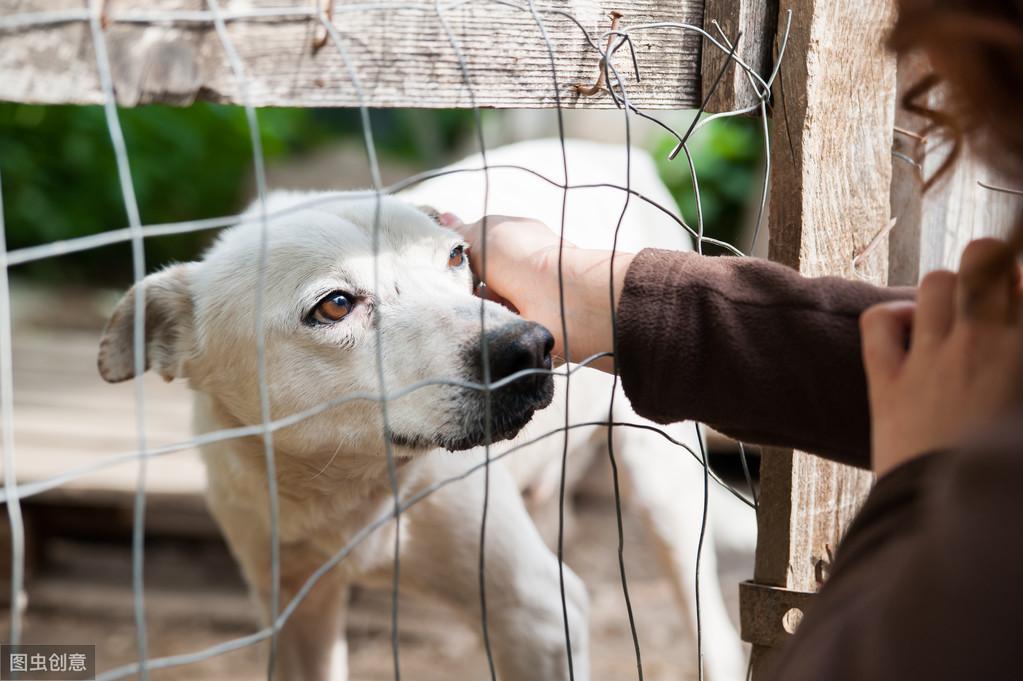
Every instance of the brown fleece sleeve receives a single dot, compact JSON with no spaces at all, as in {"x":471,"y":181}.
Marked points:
{"x":750,"y":348}
{"x":926,"y":582}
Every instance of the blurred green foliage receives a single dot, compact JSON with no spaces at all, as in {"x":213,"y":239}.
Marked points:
{"x":59,"y":173}
{"x":727,"y":154}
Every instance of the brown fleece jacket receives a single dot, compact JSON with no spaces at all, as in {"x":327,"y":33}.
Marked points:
{"x":926,"y":583}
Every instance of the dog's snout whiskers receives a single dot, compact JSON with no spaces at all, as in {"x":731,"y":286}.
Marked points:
{"x":329,"y":461}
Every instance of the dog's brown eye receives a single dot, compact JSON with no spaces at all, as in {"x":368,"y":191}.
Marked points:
{"x":457,"y":257}
{"x":331,"y":309}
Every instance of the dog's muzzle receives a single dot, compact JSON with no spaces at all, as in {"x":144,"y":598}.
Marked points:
{"x":519,"y":359}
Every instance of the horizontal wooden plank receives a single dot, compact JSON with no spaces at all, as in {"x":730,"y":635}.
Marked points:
{"x":169,"y":52}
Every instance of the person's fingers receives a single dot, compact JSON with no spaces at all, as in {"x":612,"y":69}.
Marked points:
{"x":988,"y":281}
{"x":487,"y":293}
{"x":450,"y":220}
{"x":935,"y":308}
{"x":885,"y":331}
{"x":468,"y":230}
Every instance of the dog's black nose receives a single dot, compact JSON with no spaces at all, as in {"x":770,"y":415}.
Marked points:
{"x":517,"y":347}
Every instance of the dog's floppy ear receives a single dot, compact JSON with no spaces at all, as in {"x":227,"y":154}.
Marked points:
{"x":169,"y":324}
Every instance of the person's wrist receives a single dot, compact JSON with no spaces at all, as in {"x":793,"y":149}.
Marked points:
{"x":589,"y":278}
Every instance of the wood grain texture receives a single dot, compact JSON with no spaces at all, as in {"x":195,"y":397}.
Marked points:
{"x":834,"y":114}
{"x":830,"y":200}
{"x":957,"y":209}
{"x":757,"y":21}
{"x":907,"y":181}
{"x":398,"y":48}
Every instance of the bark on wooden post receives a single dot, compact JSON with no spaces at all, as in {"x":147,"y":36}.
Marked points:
{"x":832,"y":130}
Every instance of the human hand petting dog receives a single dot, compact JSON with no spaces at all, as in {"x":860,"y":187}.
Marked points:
{"x":944,"y":367}
{"x":521,"y":271}
{"x":938,"y":370}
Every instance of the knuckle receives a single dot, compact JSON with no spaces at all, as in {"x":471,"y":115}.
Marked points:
{"x":872,"y":316}
{"x":980,"y":249}
{"x":938,"y":280}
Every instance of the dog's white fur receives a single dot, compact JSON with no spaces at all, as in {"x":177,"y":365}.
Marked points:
{"x":331,"y":468}
{"x":662,"y":483}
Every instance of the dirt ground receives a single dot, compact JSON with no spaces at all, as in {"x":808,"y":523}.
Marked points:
{"x":194,"y":599}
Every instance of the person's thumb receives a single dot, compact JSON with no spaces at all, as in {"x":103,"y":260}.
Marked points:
{"x":988,"y":282}
{"x":885,"y":331}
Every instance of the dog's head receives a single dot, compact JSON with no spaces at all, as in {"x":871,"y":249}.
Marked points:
{"x":326,"y":304}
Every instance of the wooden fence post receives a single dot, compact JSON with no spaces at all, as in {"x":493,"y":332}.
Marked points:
{"x":756,"y":21}
{"x":834,"y":108}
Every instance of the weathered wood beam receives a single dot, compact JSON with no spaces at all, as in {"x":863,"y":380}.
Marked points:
{"x":832,"y":129}
{"x":908,"y":151}
{"x":756,"y":22}
{"x":399,"y":51}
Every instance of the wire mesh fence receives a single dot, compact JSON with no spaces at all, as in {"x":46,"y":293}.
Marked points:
{"x":328,"y":17}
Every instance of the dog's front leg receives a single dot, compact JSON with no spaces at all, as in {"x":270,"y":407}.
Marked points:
{"x":311,"y":646}
{"x":441,"y":558}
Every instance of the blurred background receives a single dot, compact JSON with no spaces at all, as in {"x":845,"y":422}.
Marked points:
{"x":59,"y":181}
{"x":59,"y":175}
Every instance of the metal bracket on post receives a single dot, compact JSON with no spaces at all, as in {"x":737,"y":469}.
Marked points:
{"x":769,"y":615}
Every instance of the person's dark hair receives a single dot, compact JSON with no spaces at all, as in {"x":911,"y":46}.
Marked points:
{"x":976,"y":48}
{"x":976,"y":51}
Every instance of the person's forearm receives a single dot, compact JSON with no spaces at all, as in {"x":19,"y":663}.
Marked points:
{"x":749,"y":347}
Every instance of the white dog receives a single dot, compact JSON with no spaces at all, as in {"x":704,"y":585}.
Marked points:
{"x":662,"y":482}
{"x":327,"y":302}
